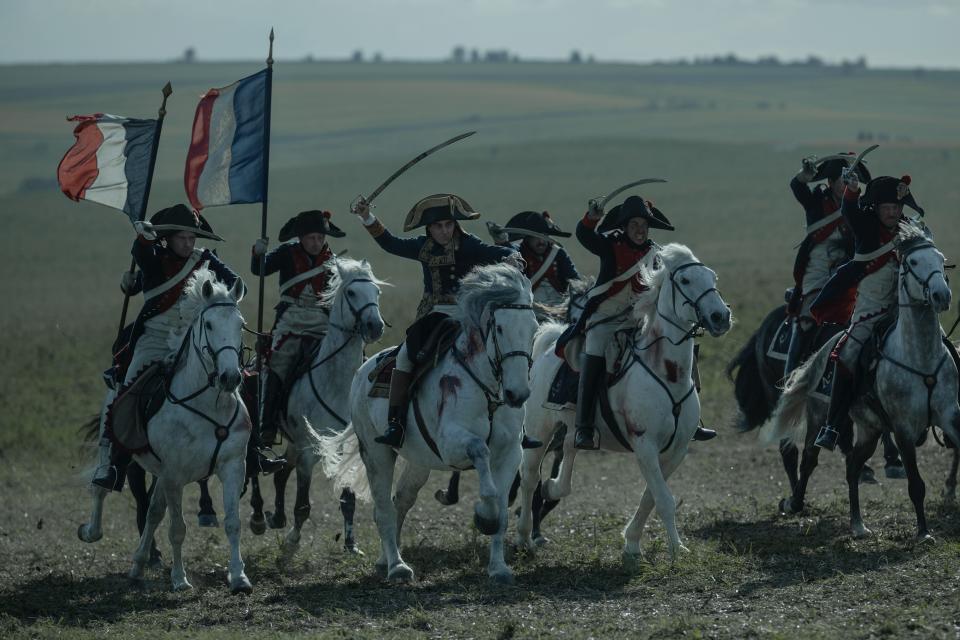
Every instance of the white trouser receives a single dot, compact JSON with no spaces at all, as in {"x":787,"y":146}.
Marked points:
{"x":823,"y":261}
{"x":295,"y":323}
{"x":154,"y":344}
{"x":876,"y":299}
{"x":613,"y":314}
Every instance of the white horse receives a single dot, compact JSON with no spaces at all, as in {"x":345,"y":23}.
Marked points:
{"x":459,"y":425}
{"x":915,"y":384}
{"x":653,"y":404}
{"x":202,"y":429}
{"x":319,"y":400}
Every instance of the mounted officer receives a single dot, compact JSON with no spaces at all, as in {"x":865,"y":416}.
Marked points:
{"x":867,"y":284}
{"x":446,"y":253}
{"x":165,"y":252}
{"x":827,"y":245}
{"x":304,"y":265}
{"x":548,"y":266}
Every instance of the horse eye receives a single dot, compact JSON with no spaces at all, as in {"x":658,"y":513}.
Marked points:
{"x":499,"y":330}
{"x":913,"y":263}
{"x":208,"y":325}
{"x":349,"y":294}
{"x":684,"y":281}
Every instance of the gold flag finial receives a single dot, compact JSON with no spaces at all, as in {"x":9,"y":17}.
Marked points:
{"x":167,"y":90}
{"x":270,"y":54}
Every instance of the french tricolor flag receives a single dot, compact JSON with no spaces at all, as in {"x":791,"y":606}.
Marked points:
{"x":226,"y":164}
{"x":110,"y":162}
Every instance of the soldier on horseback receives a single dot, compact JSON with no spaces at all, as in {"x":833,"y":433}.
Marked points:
{"x":867,"y":283}
{"x":303,"y":263}
{"x":166,"y":254}
{"x":548,"y":266}
{"x":828,"y":244}
{"x":446,"y":254}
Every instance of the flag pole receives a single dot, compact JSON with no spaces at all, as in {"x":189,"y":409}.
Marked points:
{"x":263,"y":214}
{"x":167,"y":90}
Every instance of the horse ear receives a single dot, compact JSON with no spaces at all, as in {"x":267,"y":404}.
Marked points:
{"x":239,"y":290}
{"x":365,"y":263}
{"x":207,"y":289}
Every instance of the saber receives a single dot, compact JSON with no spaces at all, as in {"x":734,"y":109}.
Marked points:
{"x":861,"y":156}
{"x":396,"y":174}
{"x":602,"y":202}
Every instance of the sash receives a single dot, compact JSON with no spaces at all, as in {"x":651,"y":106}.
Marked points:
{"x":867,"y":257}
{"x":626,"y":275}
{"x":542,"y":271}
{"x":178,"y":277}
{"x":306,"y":275}
{"x":822,"y":222}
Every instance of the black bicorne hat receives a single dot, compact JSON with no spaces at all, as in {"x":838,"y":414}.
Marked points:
{"x":313,"y":221}
{"x":180,"y":217}
{"x":634,"y":207}
{"x":436,"y":208}
{"x":540,"y":223}
{"x":831,"y":167}
{"x":889,"y":190}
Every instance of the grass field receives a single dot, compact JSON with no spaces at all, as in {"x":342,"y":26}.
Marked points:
{"x":550,"y":137}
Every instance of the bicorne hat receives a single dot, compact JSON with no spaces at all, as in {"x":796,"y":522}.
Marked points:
{"x":305,"y":222}
{"x":634,"y":207}
{"x":888,"y":190}
{"x":831,"y":167}
{"x":436,"y":208}
{"x":180,"y":217}
{"x":533,"y":224}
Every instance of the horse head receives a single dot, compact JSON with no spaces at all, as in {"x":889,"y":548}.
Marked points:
{"x":687,"y":292}
{"x":353,"y":294}
{"x":216,"y":331}
{"x":495,"y":301}
{"x":922,"y":278}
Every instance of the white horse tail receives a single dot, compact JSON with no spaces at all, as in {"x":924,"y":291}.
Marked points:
{"x":340,"y":457}
{"x":789,"y":420}
{"x":546,"y":335}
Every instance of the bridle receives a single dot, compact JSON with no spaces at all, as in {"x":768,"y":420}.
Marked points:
{"x":907,"y":271}
{"x":353,"y":309}
{"x":676,"y":288}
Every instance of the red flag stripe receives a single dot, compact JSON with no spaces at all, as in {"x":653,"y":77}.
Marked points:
{"x":199,"y":146}
{"x":78,"y":168}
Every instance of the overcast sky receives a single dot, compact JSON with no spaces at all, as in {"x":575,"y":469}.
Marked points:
{"x":903,"y":33}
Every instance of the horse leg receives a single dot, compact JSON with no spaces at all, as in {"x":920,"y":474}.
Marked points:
{"x":92,"y":530}
{"x":409,"y":484}
{"x":486,"y":511}
{"x":348,"y":507}
{"x":158,"y":506}
{"x":950,"y":487}
{"x":790,"y":456}
{"x":207,"y":516}
{"x":278,"y":519}
{"x":808,"y":462}
{"x":451,"y":495}
{"x":137,"y":478}
{"x":632,"y":551}
{"x":541,"y":506}
{"x":301,"y":508}
{"x":915,"y":485}
{"x":857,"y":457}
{"x":178,"y":531}
{"x":504,"y":470}
{"x":530,"y":486}
{"x":380,"y":462}
{"x":561,"y":485}
{"x":649,"y":459}
{"x":258,"y":524}
{"x":232,"y":478}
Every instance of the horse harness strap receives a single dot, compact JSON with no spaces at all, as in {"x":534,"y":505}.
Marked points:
{"x":929,"y":379}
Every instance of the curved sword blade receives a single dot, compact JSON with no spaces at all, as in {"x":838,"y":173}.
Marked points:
{"x":862,"y":154}
{"x":620,"y":190}
{"x":396,"y":174}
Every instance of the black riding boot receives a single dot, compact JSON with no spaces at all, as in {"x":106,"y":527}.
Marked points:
{"x":841,"y":397}
{"x":397,"y":411}
{"x":112,"y":475}
{"x":263,"y":437}
{"x":530,"y":443}
{"x":800,"y":340}
{"x":702,"y":434}
{"x":592,"y":370}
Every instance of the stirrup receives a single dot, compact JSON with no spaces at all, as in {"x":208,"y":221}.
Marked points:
{"x":107,"y":481}
{"x":586,"y":438}
{"x":392,"y":437}
{"x":269,"y":465}
{"x":530,"y":443}
{"x":827,"y":438}
{"x":702,"y":434}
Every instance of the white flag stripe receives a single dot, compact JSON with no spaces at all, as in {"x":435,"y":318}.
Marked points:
{"x":110,"y":186}
{"x":213,"y":187}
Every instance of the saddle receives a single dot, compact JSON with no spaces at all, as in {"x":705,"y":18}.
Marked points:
{"x":134,"y":406}
{"x":563,"y":390}
{"x":426,"y":346}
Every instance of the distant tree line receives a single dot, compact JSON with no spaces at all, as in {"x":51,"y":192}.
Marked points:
{"x":732,"y":60}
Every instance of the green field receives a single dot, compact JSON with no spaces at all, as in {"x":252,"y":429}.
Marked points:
{"x":550,"y":136}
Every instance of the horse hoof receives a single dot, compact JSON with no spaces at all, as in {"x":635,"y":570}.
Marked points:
{"x":82,"y":534}
{"x":632,"y":561}
{"x":444,"y":499}
{"x":241,"y":585}
{"x":867,"y":476}
{"x":400,"y":574}
{"x":541,"y":540}
{"x":182,"y":585}
{"x":787,"y":507}
{"x":860,"y":532}
{"x":353,"y":548}
{"x":258,"y":526}
{"x":276,"y":520}
{"x":156,"y":559}
{"x":502,"y":577}
{"x":678,"y":552}
{"x":136,"y":573}
{"x":207,"y":520}
{"x":486,"y":526}
{"x":925,"y":539}
{"x":380,"y":569}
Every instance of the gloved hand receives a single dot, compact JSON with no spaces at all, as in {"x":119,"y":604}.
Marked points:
{"x":360,"y":207}
{"x":497,"y":233}
{"x":595,"y":209}
{"x":145,"y":229}
{"x":128,"y":281}
{"x":808,"y":169}
{"x":260,"y":246}
{"x":850,"y":178}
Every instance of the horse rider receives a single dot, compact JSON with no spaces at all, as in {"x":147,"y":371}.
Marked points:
{"x":446,"y":254}
{"x":548,"y":265}
{"x":827,"y":245}
{"x":870,"y":277}
{"x":623,"y":244}
{"x":166,"y":253}
{"x":303,"y":261}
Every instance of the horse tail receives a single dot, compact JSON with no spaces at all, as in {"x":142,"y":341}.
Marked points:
{"x":789,"y":420}
{"x":90,"y":430}
{"x":340,"y":457}
{"x":546,"y":335}
{"x":755,"y":400}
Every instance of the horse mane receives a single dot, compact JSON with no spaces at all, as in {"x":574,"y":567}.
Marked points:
{"x":909,"y":234}
{"x":669,"y":258}
{"x":495,"y":283}
{"x":343,"y":271}
{"x":193,"y":301}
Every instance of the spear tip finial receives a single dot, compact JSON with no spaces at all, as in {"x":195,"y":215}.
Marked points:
{"x":167,"y":90}
{"x":270,"y":54}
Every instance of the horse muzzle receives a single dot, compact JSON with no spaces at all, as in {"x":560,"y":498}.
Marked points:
{"x":718,"y":322}
{"x":515,"y":399}
{"x":228,"y":381}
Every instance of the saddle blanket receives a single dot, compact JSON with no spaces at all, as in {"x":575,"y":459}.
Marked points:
{"x":780,"y":344}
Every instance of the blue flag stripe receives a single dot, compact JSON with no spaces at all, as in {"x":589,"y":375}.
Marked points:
{"x":246,"y":164}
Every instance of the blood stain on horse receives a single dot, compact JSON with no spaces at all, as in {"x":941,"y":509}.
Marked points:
{"x":672,"y":369}
{"x":474,"y":344}
{"x":449,"y":386}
